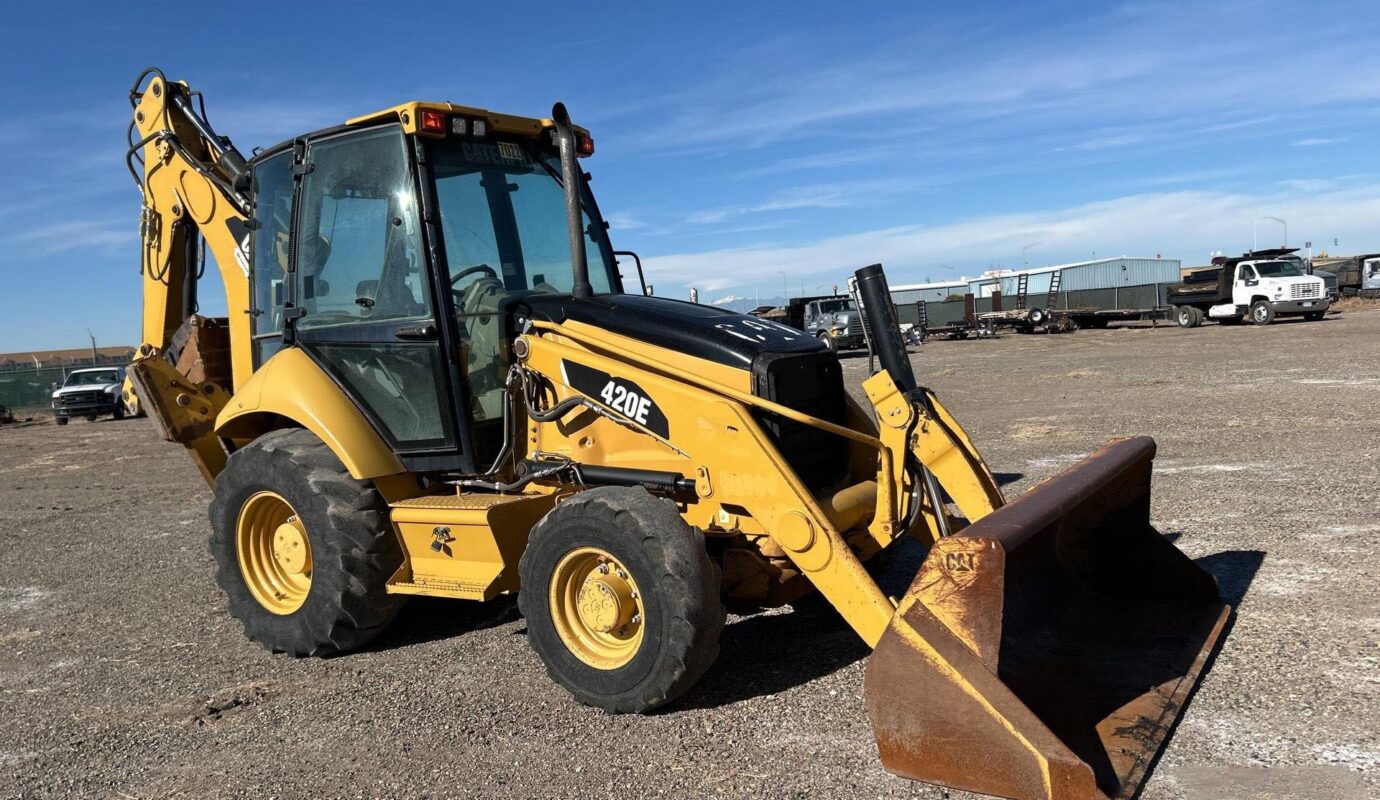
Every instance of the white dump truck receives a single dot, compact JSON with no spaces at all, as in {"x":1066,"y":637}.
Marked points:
{"x":1258,"y":286}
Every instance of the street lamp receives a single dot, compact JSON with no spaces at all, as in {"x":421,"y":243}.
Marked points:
{"x":1255,"y":232}
{"x":784,"y":290}
{"x":1025,"y":248}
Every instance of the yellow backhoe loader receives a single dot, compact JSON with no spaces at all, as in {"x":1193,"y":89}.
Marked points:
{"x":434,"y":380}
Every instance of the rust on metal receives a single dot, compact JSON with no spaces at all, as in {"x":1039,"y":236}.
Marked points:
{"x":1046,"y":650}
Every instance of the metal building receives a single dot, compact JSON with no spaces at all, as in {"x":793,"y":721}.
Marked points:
{"x":1104,"y":273}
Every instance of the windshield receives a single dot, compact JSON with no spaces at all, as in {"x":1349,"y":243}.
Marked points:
{"x":95,"y":378}
{"x":835,"y":306}
{"x":1278,"y":269}
{"x":503,"y":217}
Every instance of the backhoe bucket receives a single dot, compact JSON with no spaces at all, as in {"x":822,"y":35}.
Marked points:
{"x":1046,"y":650}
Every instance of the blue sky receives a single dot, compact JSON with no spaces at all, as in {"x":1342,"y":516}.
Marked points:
{"x":740,"y":140}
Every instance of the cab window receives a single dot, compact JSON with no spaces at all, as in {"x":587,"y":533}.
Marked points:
{"x":359,"y":248}
{"x":273,"y":187}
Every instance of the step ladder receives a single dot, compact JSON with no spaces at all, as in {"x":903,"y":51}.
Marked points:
{"x":1052,"y":299}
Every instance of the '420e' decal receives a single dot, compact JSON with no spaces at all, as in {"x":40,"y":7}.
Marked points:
{"x":619,"y":394}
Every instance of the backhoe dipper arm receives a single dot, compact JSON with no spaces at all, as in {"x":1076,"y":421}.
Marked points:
{"x":194,"y":184}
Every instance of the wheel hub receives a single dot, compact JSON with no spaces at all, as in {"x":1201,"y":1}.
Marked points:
{"x":605,"y":603}
{"x":274,"y":553}
{"x":290,"y":548}
{"x":596,"y":608}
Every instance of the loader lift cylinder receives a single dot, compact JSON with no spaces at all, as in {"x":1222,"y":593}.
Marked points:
{"x":886,"y":332}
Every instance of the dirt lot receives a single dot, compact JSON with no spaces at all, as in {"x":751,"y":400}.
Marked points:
{"x":121,"y":676}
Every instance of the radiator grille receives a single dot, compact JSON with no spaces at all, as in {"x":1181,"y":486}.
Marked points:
{"x":811,"y":383}
{"x":1302,"y":291}
{"x":80,"y":398}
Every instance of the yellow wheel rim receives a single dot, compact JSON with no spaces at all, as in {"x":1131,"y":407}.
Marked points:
{"x":596,"y":608}
{"x":274,"y":553}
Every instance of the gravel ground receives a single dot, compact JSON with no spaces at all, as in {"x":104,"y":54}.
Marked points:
{"x":121,"y":676}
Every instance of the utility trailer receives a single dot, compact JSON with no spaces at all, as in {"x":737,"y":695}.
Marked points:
{"x":1026,"y":318}
{"x":969,"y":325}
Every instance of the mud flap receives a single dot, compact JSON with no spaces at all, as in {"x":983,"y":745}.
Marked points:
{"x":1047,"y":650}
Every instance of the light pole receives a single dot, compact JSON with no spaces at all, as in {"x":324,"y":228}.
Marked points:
{"x":1255,"y":232}
{"x":784,"y":290}
{"x":1025,"y":248}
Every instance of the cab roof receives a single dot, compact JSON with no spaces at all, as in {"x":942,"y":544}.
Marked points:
{"x":408,"y":115}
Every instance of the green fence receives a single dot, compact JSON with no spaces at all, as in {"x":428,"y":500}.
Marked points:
{"x":32,"y":389}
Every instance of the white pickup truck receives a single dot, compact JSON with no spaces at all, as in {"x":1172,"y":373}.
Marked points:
{"x":89,"y":393}
{"x":1252,"y":288}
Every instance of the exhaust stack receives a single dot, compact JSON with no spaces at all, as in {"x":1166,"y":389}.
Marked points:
{"x":885,"y":330}
{"x":574,"y":216}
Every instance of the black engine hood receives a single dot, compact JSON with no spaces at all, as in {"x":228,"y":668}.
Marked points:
{"x":724,"y":337}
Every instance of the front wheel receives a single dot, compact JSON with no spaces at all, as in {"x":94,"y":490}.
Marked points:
{"x":1314,"y":316}
{"x":1262,"y":312}
{"x":62,"y":420}
{"x":621,"y":600}
{"x":829,"y":342}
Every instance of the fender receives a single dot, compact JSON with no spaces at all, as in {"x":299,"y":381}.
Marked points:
{"x":311,"y":399}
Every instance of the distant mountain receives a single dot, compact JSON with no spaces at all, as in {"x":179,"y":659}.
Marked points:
{"x":741,"y":304}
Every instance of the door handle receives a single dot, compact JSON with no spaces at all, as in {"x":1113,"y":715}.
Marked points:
{"x":416,"y":333}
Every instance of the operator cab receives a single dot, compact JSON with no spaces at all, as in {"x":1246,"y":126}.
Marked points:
{"x":389,"y":255}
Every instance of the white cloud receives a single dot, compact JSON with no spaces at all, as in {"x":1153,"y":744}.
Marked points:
{"x":79,"y":234}
{"x":1313,"y":142}
{"x":1185,"y":225}
{"x":624,"y":221}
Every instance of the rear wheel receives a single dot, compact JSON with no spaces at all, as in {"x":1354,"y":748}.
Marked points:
{"x":303,"y":551}
{"x":1188,"y":317}
{"x":1037,"y":316}
{"x":1262,"y":312}
{"x":621,"y":600}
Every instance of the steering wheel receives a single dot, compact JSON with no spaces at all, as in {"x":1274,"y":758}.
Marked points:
{"x":464,"y":273}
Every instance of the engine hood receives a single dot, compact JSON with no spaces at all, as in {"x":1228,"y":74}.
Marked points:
{"x":87,"y":387}
{"x":714,"y":334}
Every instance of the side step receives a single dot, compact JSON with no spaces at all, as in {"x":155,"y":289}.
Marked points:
{"x":464,"y":546}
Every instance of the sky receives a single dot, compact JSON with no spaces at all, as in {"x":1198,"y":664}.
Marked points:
{"x":740,"y":141}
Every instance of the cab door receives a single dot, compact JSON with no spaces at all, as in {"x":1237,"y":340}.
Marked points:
{"x":362,"y":302}
{"x":1243,"y":288}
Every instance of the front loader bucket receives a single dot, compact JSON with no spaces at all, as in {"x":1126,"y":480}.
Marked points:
{"x":1046,"y":650}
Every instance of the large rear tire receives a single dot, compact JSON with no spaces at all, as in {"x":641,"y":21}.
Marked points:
{"x":1189,"y":316}
{"x":303,"y":551}
{"x":621,"y":600}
